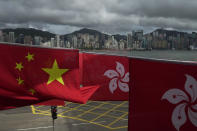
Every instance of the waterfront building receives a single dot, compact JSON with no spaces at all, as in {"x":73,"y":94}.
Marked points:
{"x":111,"y":43}
{"x":129,"y":40}
{"x":21,"y":39}
{"x":68,"y":39}
{"x":86,"y":40}
{"x":1,"y":36}
{"x":122,"y":44}
{"x":92,"y":41}
{"x":194,"y":36}
{"x":53,"y":42}
{"x":62,"y":43}
{"x":37,"y":40}
{"x":102,"y":41}
{"x":46,"y":44}
{"x":74,"y":41}
{"x":28,"y":40}
{"x":5,"y":37}
{"x":137,"y":38}
{"x":11,"y":37}
{"x":68,"y":45}
{"x":148,"y":39}
{"x":57,"y":40}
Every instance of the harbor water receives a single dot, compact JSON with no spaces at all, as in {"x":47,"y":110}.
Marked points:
{"x":181,"y":55}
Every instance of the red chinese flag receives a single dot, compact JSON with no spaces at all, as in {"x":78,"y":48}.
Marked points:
{"x":39,"y":74}
{"x":163,"y":96}
{"x":111,"y":73}
{"x":53,"y":102}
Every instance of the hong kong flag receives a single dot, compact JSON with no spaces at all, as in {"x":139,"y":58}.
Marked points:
{"x":30,"y":75}
{"x":163,"y":96}
{"x":110,"y":72}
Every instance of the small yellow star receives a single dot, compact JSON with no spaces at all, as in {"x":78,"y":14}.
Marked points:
{"x":30,"y":57}
{"x":32,"y":91}
{"x":55,"y":73}
{"x":20,"y":81}
{"x":19,"y":66}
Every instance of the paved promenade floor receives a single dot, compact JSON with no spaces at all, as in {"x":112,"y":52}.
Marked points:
{"x":93,"y":116}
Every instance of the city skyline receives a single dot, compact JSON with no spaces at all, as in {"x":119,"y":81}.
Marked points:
{"x":110,"y":16}
{"x":92,"y":39}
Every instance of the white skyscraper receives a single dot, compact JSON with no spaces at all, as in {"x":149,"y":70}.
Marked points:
{"x":113,"y":40}
{"x":52,"y":42}
{"x":11,"y":37}
{"x":58,"y":40}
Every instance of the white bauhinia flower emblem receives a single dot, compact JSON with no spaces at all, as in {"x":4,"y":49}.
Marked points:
{"x":118,"y":78}
{"x":184,"y":103}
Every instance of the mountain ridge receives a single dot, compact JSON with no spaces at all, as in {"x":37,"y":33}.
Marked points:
{"x":29,"y":32}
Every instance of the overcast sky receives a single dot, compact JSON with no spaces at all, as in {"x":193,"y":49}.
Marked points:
{"x":111,"y":16}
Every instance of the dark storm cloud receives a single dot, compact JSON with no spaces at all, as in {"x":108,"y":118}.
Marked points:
{"x":104,"y":15}
{"x":157,"y":8}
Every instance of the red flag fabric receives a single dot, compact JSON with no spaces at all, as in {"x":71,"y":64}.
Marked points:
{"x":163,"y":96}
{"x":53,"y":102}
{"x":39,"y":74}
{"x":111,"y":73}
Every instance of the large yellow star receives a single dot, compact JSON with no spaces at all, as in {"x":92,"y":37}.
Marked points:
{"x":30,"y":57}
{"x":55,"y":73}
{"x":19,"y":66}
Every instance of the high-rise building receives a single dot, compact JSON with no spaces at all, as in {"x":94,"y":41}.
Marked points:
{"x":57,"y":40}
{"x":21,"y":39}
{"x":62,"y":43}
{"x":74,"y":41}
{"x":11,"y":37}
{"x":137,"y":38}
{"x":28,"y":40}
{"x":113,"y":40}
{"x":37,"y":40}
{"x":102,"y":41}
{"x":1,"y":36}
{"x":52,"y":42}
{"x":129,"y":41}
{"x":86,"y":38}
{"x":68,"y":45}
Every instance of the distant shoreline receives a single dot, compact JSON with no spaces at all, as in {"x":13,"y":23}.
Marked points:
{"x":182,"y":55}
